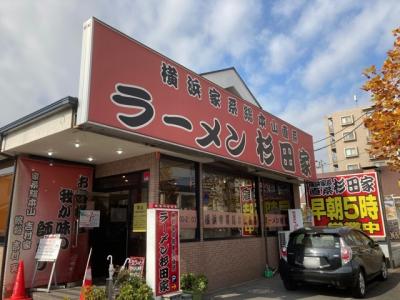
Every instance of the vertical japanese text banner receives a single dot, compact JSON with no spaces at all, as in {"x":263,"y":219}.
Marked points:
{"x":250,"y":222}
{"x":45,"y":201}
{"x":164,"y":271}
{"x":351,"y":200}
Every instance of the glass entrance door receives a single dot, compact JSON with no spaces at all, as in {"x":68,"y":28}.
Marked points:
{"x":116,"y":197}
{"x":110,"y":237}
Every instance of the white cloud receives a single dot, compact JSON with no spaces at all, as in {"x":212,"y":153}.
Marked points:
{"x":282,"y":52}
{"x":321,"y":16}
{"x":286,"y":8}
{"x":41,"y":41}
{"x":348,"y":45}
{"x":309,"y":114}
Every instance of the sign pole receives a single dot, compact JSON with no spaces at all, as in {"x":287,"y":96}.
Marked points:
{"x":51,"y":275}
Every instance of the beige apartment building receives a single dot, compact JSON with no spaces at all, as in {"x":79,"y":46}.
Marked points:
{"x":349,"y":140}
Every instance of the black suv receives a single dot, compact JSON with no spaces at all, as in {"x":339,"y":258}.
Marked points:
{"x":341,"y":256}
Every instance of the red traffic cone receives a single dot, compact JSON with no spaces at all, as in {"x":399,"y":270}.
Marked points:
{"x":87,"y":282}
{"x":19,"y":286}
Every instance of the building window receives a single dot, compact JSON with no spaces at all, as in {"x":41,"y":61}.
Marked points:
{"x":5,"y":193}
{"x":334,"y":157}
{"x":330,"y":125}
{"x":353,"y":167}
{"x":229,"y":205}
{"x":347,"y":120}
{"x":178,"y":187}
{"x":350,"y":152}
{"x":349,"y":136}
{"x":277,"y":198}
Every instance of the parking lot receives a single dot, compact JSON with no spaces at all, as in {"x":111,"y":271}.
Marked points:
{"x":273,"y":289}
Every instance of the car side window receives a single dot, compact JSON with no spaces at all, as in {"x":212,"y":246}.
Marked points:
{"x":364,"y":240}
{"x":355,"y":238}
{"x":299,"y":239}
{"x":350,"y":239}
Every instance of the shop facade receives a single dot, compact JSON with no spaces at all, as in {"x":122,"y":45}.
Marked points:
{"x":146,"y":131}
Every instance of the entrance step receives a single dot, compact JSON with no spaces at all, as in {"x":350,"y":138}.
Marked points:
{"x":59,"y":294}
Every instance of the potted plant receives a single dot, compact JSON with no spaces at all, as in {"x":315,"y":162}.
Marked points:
{"x":194,"y":285}
{"x":131,"y":287}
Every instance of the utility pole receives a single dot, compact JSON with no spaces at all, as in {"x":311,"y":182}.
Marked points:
{"x":320,"y":165}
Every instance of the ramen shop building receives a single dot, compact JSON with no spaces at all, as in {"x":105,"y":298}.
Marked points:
{"x":146,"y":131}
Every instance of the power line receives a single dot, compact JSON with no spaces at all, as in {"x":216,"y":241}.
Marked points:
{"x":338,"y":161}
{"x":338,"y":139}
{"x":320,"y":140}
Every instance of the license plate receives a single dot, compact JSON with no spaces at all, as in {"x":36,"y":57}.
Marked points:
{"x":311,"y":262}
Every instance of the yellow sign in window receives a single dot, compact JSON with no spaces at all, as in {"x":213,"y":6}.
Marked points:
{"x":139,"y":217}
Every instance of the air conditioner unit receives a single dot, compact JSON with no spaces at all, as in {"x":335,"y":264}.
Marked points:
{"x":283,"y":239}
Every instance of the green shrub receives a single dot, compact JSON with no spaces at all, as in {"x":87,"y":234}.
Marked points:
{"x":194,"y":283}
{"x":122,"y":277}
{"x":134,"y":288}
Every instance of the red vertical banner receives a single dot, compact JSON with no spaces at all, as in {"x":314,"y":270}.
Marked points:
{"x":249,"y":210}
{"x":167,"y":251}
{"x":46,"y":200}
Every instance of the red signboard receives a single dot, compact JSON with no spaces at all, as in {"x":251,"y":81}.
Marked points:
{"x":352,"y":200}
{"x":45,"y":201}
{"x":135,"y":89}
{"x":136,"y":265}
{"x":167,"y":251}
{"x":275,"y":220}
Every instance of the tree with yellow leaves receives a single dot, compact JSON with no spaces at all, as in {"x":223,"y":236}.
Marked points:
{"x":384,"y":122}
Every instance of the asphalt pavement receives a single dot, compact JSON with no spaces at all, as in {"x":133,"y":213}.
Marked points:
{"x":273,"y":289}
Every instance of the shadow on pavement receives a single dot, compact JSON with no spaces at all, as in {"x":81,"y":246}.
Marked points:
{"x":273,"y":289}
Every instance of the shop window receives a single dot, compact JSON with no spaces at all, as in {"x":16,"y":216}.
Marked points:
{"x":277,"y":198}
{"x":5,"y":192}
{"x":178,"y":187}
{"x":229,"y":205}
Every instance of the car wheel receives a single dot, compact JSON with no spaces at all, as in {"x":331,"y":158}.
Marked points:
{"x":290,"y":285}
{"x":359,"y":289}
{"x":384,"y":271}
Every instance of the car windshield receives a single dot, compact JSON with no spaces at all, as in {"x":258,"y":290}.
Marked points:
{"x":319,"y":240}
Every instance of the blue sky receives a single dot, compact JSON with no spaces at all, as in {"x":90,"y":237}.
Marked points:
{"x":301,"y":59}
